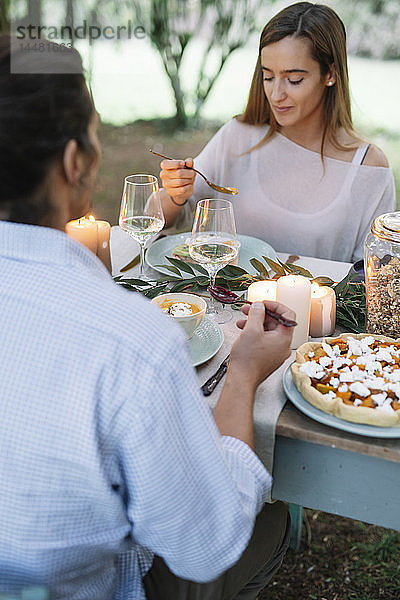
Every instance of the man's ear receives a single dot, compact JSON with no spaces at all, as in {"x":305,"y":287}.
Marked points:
{"x":73,"y":163}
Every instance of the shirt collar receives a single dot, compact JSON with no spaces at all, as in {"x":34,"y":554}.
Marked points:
{"x":45,"y":245}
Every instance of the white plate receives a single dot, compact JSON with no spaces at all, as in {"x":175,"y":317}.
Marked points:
{"x":205,"y":342}
{"x":250,"y":247}
{"x":318,"y":415}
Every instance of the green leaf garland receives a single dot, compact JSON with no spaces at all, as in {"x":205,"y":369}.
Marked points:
{"x":350,"y":293}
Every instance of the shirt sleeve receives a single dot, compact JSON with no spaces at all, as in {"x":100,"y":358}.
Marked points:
{"x":192,"y":495}
{"x":385,"y":202}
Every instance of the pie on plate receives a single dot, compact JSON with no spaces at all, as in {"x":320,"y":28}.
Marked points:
{"x":355,"y":377}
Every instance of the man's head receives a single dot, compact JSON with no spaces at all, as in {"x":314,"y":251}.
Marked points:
{"x":48,"y":144}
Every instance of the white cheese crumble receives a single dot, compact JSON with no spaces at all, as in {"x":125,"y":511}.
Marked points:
{"x":180,"y":309}
{"x":386,"y":407}
{"x":359,"y":388}
{"x":384,"y":354}
{"x":312,"y":369}
{"x":379,"y":399}
{"x":325,"y":361}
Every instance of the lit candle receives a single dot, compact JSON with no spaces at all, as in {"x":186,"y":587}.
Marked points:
{"x":323,"y":311}
{"x":295,"y":292}
{"x":261,"y":290}
{"x":103,"y":243}
{"x":84,"y":230}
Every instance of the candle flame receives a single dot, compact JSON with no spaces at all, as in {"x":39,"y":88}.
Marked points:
{"x":318,"y":291}
{"x":86,"y":220}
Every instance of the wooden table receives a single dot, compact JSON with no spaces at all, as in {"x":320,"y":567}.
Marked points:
{"x":334,"y":471}
{"x":330,"y":470}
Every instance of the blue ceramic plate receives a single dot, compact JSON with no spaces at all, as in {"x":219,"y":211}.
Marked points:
{"x":205,"y":342}
{"x":318,"y":415}
{"x":250,"y":247}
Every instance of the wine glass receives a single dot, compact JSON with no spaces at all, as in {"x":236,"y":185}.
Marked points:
{"x":214,"y":243}
{"x":141,"y":212}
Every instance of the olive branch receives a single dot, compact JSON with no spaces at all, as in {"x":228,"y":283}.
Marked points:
{"x":350,"y":293}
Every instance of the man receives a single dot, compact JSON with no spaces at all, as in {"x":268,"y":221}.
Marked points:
{"x":109,"y":454}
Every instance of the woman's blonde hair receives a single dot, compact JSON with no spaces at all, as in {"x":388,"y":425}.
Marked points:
{"x":325,"y":30}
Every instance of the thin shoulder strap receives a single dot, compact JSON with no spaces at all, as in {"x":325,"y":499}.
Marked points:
{"x":360,"y":154}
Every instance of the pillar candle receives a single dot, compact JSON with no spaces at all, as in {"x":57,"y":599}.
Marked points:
{"x":295,"y":292}
{"x":261,"y":290}
{"x":103,"y":243}
{"x":84,"y":230}
{"x":323,"y":311}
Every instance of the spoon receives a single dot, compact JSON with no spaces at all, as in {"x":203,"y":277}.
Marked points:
{"x":227,"y":297}
{"x":219,"y":188}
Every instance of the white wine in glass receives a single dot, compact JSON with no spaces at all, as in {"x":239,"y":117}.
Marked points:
{"x":214,"y":243}
{"x":141,"y":213}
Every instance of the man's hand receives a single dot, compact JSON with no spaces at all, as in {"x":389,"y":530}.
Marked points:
{"x":264,"y":344}
{"x":261,"y":348}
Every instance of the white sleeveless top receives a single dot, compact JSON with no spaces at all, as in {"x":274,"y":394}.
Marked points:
{"x":288,"y":198}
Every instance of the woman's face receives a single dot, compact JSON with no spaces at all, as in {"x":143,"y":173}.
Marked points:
{"x":293,"y":83}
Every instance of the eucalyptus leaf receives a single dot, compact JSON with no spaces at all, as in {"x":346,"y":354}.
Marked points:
{"x":286,"y":267}
{"x":182,"y":266}
{"x":291,"y":259}
{"x":199,"y":268}
{"x":179,"y":286}
{"x":342,"y":285}
{"x":276,"y":267}
{"x":259,"y":267}
{"x":324,"y":281}
{"x":233,"y":270}
{"x":136,"y":282}
{"x":173,"y":269}
{"x":301,"y":271}
{"x":156,"y":291}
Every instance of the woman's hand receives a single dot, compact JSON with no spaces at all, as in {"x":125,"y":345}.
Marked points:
{"x":176,"y":180}
{"x":264,"y":343}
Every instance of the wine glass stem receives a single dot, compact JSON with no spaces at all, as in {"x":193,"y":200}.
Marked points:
{"x":212,"y":306}
{"x":141,"y":272}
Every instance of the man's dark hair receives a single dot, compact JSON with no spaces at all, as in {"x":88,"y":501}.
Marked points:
{"x":39,"y":113}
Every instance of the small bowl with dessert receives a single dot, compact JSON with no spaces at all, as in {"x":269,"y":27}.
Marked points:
{"x":186,"y":309}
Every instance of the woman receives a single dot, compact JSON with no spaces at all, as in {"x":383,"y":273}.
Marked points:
{"x":307,"y":183}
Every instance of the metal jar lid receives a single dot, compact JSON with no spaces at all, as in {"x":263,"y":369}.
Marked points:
{"x":387,"y":226}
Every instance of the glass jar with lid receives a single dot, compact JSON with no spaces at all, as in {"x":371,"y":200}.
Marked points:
{"x":382,"y":275}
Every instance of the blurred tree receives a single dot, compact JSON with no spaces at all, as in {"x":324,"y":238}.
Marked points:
{"x":221,"y":25}
{"x":373,"y":27}
{"x":5,"y":15}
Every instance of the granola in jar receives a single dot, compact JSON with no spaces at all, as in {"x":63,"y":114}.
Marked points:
{"x":382,"y":276}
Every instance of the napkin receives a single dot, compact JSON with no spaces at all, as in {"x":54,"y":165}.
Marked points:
{"x":270,"y":396}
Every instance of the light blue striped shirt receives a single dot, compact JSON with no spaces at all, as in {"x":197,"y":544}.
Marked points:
{"x":108,"y":452}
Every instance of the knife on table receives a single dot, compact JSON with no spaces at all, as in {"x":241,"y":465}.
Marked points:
{"x":213,"y":381}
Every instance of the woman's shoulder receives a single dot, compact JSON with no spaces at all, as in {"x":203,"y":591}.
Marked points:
{"x":375,"y":157}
